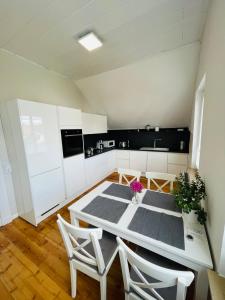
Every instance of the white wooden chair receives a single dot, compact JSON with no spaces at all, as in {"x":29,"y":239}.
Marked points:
{"x":147,"y":280}
{"x":169,"y":179}
{"x":90,"y":250}
{"x":123,"y":173}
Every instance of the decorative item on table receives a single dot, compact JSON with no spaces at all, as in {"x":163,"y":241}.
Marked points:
{"x":156,"y":128}
{"x":136,"y":187}
{"x":189,"y":196}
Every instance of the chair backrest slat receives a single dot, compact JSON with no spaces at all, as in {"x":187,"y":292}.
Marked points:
{"x":153,"y":176}
{"x":165,"y":277}
{"x":123,"y":173}
{"x":76,"y":238}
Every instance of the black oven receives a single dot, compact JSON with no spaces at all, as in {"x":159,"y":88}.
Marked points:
{"x":72,"y":142}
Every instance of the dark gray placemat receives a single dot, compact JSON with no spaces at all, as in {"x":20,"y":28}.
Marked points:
{"x":118,"y":190}
{"x":161,"y":200}
{"x":105,"y":208}
{"x":165,"y":228}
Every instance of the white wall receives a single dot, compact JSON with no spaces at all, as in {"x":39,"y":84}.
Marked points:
{"x":23,"y":79}
{"x":158,"y":90}
{"x":20,"y":78}
{"x":212,"y":160}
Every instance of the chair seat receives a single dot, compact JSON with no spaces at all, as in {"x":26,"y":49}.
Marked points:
{"x":108,"y":246}
{"x":159,"y":260}
{"x":166,"y":293}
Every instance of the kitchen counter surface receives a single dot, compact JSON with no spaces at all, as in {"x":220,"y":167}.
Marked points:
{"x":97,"y":152}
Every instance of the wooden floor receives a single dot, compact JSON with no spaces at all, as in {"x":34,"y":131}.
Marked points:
{"x":34,"y":265}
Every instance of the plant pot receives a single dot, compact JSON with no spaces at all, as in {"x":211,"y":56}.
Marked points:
{"x":191,"y":218}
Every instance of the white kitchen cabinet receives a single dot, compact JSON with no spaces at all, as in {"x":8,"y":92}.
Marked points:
{"x":47,"y":191}
{"x":123,"y":163}
{"x":33,"y":134}
{"x":111,"y":161}
{"x":177,"y":163}
{"x":102,"y":170}
{"x":74,"y":174}
{"x":122,"y":159}
{"x":69,"y":117}
{"x":157,"y":162}
{"x":138,"y":160}
{"x":99,"y":166}
{"x":93,"y":174}
{"x":40,"y":135}
{"x":176,"y":169}
{"x":93,"y":123}
{"x":177,"y":158}
{"x":90,"y":171}
{"x":122,"y":154}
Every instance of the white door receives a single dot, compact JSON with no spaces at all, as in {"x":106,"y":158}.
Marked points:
{"x":41,"y":136}
{"x":47,"y":191}
{"x":74,"y":173}
{"x":138,"y":160}
{"x":157,"y":162}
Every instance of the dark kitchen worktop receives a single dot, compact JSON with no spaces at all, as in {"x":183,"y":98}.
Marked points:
{"x":97,"y":152}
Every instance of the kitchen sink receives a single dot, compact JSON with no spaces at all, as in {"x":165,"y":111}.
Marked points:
{"x":154,"y":149}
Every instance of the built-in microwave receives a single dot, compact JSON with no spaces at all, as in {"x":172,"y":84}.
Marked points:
{"x":72,"y":142}
{"x":109,"y":144}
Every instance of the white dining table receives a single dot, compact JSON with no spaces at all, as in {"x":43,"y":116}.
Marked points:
{"x":195,"y":255}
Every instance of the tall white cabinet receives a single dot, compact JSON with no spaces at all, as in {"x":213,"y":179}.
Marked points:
{"x":36,"y":159}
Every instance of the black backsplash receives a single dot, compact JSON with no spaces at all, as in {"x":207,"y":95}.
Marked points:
{"x":90,"y":140}
{"x":169,"y":138}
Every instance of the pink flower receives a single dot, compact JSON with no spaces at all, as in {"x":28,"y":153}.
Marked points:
{"x":136,"y":186}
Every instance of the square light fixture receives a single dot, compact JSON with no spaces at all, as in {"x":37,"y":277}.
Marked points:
{"x":90,"y":41}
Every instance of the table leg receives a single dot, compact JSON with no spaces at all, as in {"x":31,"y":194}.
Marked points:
{"x":201,"y":285}
{"x":74,"y":220}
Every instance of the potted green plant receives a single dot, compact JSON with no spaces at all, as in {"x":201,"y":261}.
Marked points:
{"x":189,"y":195}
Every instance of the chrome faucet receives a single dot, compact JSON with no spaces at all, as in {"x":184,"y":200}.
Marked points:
{"x":155,"y":140}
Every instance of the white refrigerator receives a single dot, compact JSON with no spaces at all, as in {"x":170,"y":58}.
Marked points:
{"x":37,"y":159}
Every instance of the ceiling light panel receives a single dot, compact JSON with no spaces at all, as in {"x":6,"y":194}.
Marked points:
{"x":90,"y":41}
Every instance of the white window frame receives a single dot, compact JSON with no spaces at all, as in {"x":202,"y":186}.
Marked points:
{"x":221,"y":268}
{"x":198,"y":121}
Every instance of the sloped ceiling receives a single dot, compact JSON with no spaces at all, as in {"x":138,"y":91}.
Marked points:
{"x":46,"y":31}
{"x":158,"y":90}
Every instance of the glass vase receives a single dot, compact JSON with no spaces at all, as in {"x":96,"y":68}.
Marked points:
{"x":135,"y":199}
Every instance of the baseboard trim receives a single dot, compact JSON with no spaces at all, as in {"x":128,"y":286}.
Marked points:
{"x":14,"y":216}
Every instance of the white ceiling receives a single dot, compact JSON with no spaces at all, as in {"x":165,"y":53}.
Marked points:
{"x":157,"y":90}
{"x":43,"y":31}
